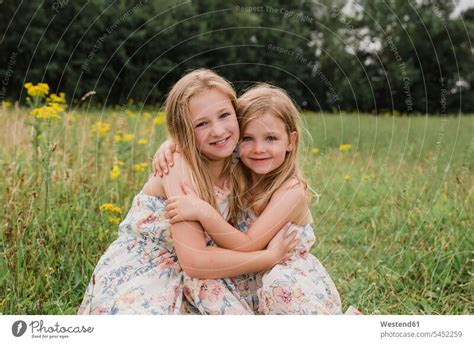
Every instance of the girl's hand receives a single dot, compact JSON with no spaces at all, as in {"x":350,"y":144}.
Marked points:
{"x":188,"y":207}
{"x":282,"y":246}
{"x":164,"y":158}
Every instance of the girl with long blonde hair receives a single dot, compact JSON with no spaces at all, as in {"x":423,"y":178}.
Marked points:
{"x":155,"y":267}
{"x":268,"y":191}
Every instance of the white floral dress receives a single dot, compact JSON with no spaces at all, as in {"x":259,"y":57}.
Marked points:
{"x":232,"y":295}
{"x":140,"y":274}
{"x":300,"y":285}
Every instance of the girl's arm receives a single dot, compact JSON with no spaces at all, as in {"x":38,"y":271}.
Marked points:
{"x":201,"y":261}
{"x":286,"y":205}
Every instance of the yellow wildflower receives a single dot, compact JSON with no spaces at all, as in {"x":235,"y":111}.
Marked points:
{"x":140,"y":167}
{"x":142,"y":142}
{"x":315,"y":150}
{"x":46,"y":112}
{"x":110,"y":207}
{"x":120,"y":137}
{"x":57,"y":106}
{"x":43,"y":86}
{"x":127,"y":137}
{"x":160,"y":119}
{"x":114,"y":220}
{"x":347,"y":178}
{"x":39,"y":90}
{"x":54,"y":98}
{"x":100,"y":128}
{"x":115,"y":172}
{"x":345,"y":147}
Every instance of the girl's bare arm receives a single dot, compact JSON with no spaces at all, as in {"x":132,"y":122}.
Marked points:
{"x":201,"y":261}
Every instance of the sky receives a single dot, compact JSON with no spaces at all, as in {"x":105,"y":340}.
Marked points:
{"x":463,"y":4}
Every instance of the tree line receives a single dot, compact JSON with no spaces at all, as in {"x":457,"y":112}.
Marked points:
{"x":373,"y":56}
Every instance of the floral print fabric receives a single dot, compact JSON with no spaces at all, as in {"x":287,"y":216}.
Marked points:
{"x":140,"y":274}
{"x":300,"y":285}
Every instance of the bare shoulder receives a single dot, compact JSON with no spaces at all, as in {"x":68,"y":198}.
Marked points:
{"x":294,"y":193}
{"x":180,"y":169}
{"x":293,"y":188}
{"x":179,"y":163}
{"x":154,"y":186}
{"x":178,"y":173}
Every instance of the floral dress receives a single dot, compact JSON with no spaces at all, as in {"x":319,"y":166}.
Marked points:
{"x":300,"y":285}
{"x":231,"y":295}
{"x":140,"y":274}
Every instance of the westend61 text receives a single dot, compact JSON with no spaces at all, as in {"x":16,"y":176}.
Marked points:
{"x":400,"y":324}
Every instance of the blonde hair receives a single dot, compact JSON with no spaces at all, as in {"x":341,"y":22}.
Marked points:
{"x":181,"y":129}
{"x":255,"y":102}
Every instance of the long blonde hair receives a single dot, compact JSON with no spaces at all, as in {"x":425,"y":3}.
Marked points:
{"x":181,"y":129}
{"x":255,"y":102}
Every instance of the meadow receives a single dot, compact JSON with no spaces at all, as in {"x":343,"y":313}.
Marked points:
{"x":393,"y":216}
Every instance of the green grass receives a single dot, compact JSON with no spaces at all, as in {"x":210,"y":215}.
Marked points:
{"x":393,"y":223}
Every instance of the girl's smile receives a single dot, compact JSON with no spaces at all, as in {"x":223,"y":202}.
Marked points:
{"x":259,"y":159}
{"x":221,"y":143}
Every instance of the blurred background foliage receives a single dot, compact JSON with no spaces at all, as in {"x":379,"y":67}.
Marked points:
{"x":371,"y":56}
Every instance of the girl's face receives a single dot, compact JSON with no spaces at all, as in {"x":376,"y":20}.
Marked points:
{"x":215,"y":124}
{"x":264,"y":144}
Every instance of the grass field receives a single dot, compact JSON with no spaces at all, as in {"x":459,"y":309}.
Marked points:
{"x":393,"y":224}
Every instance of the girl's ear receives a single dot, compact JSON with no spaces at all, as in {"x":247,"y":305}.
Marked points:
{"x":293,"y":141}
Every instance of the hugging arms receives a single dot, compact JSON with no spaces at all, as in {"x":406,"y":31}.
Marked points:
{"x":202,"y":261}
